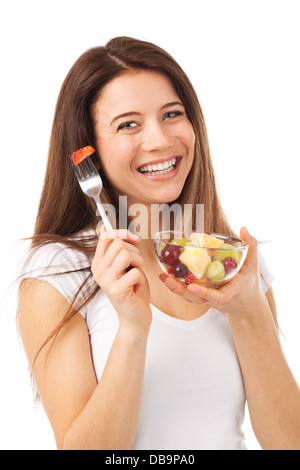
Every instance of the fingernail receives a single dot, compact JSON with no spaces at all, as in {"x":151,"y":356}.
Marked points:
{"x":170,"y":285}
{"x":247,"y":232}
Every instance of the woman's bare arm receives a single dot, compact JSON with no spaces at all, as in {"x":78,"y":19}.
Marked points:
{"x":83,"y":414}
{"x":273,"y":394}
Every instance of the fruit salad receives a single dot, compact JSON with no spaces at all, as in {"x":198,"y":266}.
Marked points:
{"x":206,"y":259}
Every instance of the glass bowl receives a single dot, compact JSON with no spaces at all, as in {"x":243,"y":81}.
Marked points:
{"x":210,"y":259}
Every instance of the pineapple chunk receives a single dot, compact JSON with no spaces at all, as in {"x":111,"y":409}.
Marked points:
{"x":202,"y":240}
{"x":196,"y":260}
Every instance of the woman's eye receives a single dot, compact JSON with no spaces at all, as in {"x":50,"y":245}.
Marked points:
{"x":173,"y":114}
{"x":127,"y":125}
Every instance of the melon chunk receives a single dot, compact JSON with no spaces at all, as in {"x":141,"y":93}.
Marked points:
{"x":197,"y":260}
{"x":202,"y":240}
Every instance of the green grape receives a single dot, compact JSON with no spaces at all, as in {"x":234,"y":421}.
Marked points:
{"x":215,"y":271}
{"x":220,"y":254}
{"x":181,"y":241}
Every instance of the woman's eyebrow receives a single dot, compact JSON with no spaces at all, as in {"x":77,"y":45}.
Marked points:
{"x":136,"y":113}
{"x":173,"y":103}
{"x":130,"y":113}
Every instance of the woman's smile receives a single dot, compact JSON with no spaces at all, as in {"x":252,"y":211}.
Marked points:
{"x":162,"y":171}
{"x":144,"y":137}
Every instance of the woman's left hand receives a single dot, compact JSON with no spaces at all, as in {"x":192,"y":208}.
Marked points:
{"x":243,"y":294}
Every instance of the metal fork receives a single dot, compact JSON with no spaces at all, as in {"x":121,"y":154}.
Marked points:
{"x":91,"y":184}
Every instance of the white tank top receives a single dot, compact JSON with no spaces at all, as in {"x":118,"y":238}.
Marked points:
{"x":193,"y":395}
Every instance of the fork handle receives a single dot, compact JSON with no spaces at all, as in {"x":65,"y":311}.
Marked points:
{"x":106,"y":222}
{"x":103,"y":215}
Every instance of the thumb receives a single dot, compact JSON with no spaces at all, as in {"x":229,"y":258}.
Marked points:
{"x":251,"y":258}
{"x":102,"y":228}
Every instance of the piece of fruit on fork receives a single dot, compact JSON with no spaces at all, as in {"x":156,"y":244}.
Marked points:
{"x":81,"y":154}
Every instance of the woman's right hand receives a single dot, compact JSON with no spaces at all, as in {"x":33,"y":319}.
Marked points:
{"x":127,"y":289}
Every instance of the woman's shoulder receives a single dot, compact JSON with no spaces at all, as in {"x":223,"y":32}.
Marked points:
{"x":64,"y":264}
{"x":55,"y":256}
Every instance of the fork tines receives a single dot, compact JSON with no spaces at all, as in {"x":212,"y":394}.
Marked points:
{"x":85,"y":169}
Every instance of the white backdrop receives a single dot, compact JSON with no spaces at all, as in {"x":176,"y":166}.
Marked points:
{"x":242,"y":58}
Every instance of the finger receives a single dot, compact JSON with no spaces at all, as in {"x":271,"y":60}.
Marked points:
{"x":199,"y":294}
{"x":107,"y":238}
{"x":123,"y":260}
{"x":114,"y":248}
{"x":180,"y":289}
{"x":101,"y":249}
{"x":124,"y":234}
{"x":214,"y":297}
{"x":108,"y":275}
{"x":102,"y":228}
{"x":131,"y":278}
{"x":251,"y":259}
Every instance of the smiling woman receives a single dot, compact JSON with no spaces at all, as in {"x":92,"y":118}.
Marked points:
{"x":120,"y":359}
{"x":158,"y":133}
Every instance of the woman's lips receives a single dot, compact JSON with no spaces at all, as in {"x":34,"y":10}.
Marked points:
{"x":165,"y":176}
{"x":161,"y":160}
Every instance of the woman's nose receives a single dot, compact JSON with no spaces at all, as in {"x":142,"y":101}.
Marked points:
{"x":156,"y":137}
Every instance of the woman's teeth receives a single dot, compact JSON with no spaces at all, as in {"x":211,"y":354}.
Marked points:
{"x":159,"y":168}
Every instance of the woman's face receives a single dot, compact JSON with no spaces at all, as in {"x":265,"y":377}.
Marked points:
{"x":139,"y":122}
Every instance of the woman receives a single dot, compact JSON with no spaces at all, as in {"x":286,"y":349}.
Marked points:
{"x":122,"y":360}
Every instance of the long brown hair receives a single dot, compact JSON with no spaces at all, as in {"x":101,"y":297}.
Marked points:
{"x":64,"y":209}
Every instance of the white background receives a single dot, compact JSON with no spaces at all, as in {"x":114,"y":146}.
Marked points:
{"x":243,"y":60}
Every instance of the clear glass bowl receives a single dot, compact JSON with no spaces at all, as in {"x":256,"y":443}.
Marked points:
{"x":206,"y":264}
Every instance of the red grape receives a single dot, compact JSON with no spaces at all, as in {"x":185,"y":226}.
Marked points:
{"x":180,"y":270}
{"x":170,"y":254}
{"x":229,"y":264}
{"x":189,"y":278}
